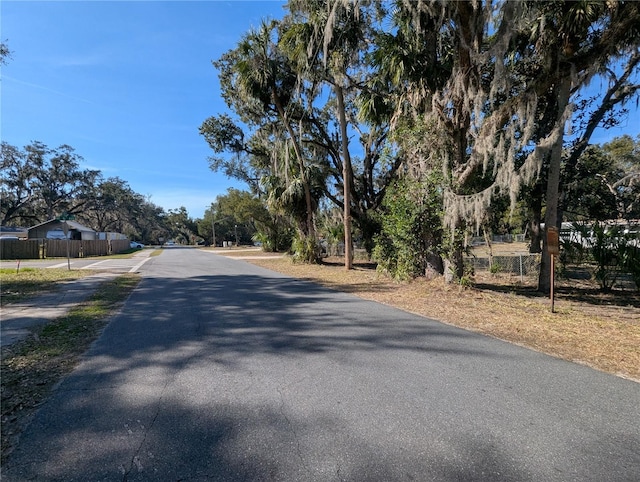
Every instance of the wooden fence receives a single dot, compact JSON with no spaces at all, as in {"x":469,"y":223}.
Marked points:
{"x":57,"y":248}
{"x":16,"y":249}
{"x":119,"y":245}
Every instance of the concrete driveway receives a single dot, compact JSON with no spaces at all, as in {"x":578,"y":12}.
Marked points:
{"x":219,"y":370}
{"x":94,"y":263}
{"x":17,"y":320}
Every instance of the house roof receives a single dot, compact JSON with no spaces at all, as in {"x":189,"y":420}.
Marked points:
{"x":12,"y":230}
{"x":72,"y":225}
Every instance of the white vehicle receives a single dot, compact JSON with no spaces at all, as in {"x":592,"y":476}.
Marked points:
{"x":56,"y":234}
{"x":136,"y":245}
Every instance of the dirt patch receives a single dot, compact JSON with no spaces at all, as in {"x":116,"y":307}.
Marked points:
{"x":597,"y":329}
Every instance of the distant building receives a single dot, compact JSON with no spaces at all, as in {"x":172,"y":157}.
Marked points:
{"x":110,"y":236}
{"x":55,"y":229}
{"x":13,"y":232}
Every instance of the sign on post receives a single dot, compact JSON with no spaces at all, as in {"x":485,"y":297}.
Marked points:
{"x":553,"y":248}
{"x":553,"y":241}
{"x":65,"y":217}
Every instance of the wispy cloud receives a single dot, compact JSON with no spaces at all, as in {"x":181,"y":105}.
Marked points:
{"x":48,"y":89}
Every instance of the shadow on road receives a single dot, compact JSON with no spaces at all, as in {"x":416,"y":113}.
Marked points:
{"x":248,"y":377}
{"x":235,"y":316}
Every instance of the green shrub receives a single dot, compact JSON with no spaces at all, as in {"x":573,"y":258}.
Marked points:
{"x":411,"y":229}
{"x":613,"y":252}
{"x":304,"y":249}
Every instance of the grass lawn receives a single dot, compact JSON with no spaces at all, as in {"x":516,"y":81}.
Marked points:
{"x":16,"y":285}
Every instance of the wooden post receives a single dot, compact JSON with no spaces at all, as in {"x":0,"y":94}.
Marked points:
{"x":553,"y":270}
{"x":66,"y":235}
{"x":553,"y":247}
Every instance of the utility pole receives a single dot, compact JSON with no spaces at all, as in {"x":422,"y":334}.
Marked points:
{"x":66,"y":217}
{"x":213,"y":225}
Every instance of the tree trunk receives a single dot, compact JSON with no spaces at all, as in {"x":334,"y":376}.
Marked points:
{"x":310,"y":228}
{"x":454,"y":261}
{"x":454,"y":266}
{"x":434,"y":266}
{"x":487,"y":239}
{"x":346,"y":176}
{"x":553,"y":185}
{"x":535,"y":218}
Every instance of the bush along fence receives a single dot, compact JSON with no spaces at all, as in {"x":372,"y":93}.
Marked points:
{"x":611,"y":251}
{"x":57,"y":248}
{"x":612,"y":268}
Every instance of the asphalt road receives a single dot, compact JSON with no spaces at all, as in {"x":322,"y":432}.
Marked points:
{"x":219,"y":370}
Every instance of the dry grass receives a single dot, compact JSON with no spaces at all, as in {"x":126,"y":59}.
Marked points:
{"x":30,"y":368}
{"x":602,"y":331}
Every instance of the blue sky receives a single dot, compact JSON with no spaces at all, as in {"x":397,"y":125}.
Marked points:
{"x":127,"y":84}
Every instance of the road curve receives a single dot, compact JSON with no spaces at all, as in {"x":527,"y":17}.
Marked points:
{"x":216,"y":369}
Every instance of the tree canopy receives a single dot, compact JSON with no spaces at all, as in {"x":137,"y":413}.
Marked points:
{"x":39,"y":183}
{"x":495,"y":95}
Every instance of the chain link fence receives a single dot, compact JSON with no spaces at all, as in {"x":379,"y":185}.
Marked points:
{"x":523,"y":265}
{"x":527,"y":266}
